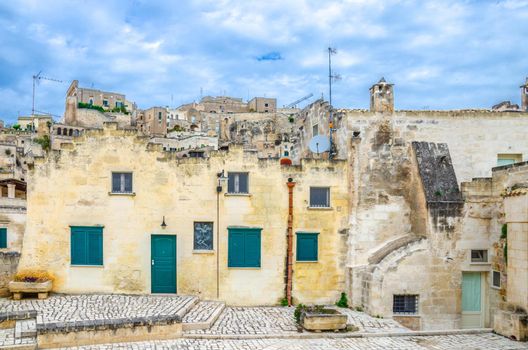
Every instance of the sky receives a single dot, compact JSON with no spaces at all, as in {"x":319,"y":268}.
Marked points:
{"x":439,"y":54}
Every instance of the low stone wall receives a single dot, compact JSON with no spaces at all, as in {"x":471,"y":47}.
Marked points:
{"x":8,"y":267}
{"x":90,"y":333}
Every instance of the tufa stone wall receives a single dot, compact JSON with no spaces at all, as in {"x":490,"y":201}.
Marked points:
{"x":8,"y":267}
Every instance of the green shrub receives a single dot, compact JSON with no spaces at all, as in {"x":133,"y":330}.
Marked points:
{"x":44,"y":141}
{"x":343,"y":301}
{"x":359,"y":308}
{"x":16,"y":127}
{"x":90,"y":106}
{"x":504,"y":231}
{"x":284,"y":302}
{"x":297,"y":313}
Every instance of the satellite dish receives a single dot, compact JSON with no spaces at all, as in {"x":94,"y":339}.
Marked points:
{"x":319,"y":144}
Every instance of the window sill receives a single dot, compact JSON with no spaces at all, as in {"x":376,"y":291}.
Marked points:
{"x":405,"y":315}
{"x":495,"y":287}
{"x":228,"y":194}
{"x":243,"y":268}
{"x":99,"y":266}
{"x":307,"y":261}
{"x":480,"y":263}
{"x":203,"y":251}
{"x":131,"y":194}
{"x":320,"y":208}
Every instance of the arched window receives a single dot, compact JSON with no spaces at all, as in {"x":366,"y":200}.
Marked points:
{"x":58,"y":131}
{"x":70,"y":132}
{"x":76,"y":132}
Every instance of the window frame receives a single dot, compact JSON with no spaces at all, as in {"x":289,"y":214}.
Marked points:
{"x":416,"y":304}
{"x":304,"y":235}
{"x":485,"y":257}
{"x":231,"y":259}
{"x":212,"y":236}
{"x":122,"y":182}
{"x":493,"y":285}
{"x":229,"y":174}
{"x":3,"y":238}
{"x":90,"y":259}
{"x":328,"y":198}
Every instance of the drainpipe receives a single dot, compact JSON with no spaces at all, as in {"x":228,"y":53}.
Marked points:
{"x":289,"y":257}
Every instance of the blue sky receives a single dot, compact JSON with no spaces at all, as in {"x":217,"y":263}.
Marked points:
{"x":439,"y":54}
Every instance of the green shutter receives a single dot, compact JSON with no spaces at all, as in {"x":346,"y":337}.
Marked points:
{"x":252,"y":249}
{"x":3,"y":237}
{"x":78,"y":247}
{"x":236,"y":249}
{"x":244,"y":247}
{"x":86,"y":245}
{"x":307,"y":247}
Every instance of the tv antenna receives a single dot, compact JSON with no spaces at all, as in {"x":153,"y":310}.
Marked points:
{"x":36,"y":80}
{"x":295,"y":103}
{"x":331,"y":77}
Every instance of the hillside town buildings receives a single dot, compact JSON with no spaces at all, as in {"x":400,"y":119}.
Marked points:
{"x":419,"y":216}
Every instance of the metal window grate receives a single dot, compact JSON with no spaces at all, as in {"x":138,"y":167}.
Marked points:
{"x":237,"y":183}
{"x":121,"y":182}
{"x":319,"y":197}
{"x":496,"y":279}
{"x":405,"y":304}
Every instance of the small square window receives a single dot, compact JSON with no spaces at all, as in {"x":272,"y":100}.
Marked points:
{"x":315,"y":130}
{"x":203,"y":236}
{"x":496,"y":279}
{"x":479,"y":256}
{"x":307,"y":246}
{"x":86,"y":245}
{"x":405,"y":304}
{"x":121,"y":182}
{"x":265,"y":105}
{"x":105,"y":103}
{"x":320,"y":197}
{"x":237,"y":183}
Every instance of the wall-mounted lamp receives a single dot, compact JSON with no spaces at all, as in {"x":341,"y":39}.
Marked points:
{"x":221,"y":177}
{"x":163,"y":224}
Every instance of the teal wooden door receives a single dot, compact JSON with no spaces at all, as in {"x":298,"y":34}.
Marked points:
{"x":163,"y":263}
{"x":471,"y":300}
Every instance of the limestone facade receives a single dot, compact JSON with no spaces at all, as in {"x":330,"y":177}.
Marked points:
{"x":180,"y":192}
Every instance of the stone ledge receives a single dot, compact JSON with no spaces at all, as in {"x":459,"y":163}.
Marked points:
{"x":107,"y":324}
{"x":17,"y":315}
{"x":312,"y":335}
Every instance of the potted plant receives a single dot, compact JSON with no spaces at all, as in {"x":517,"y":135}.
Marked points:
{"x":318,"y":318}
{"x":31,"y":281}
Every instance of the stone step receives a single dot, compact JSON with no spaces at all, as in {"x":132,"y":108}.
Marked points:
{"x":202,"y":315}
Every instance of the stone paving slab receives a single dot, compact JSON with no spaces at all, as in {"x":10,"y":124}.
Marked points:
{"x":202,"y":315}
{"x":449,"y":342}
{"x":75,"y":312}
{"x":9,"y":341}
{"x":280,"y":320}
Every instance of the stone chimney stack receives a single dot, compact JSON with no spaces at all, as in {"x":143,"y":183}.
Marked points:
{"x":524,"y":96}
{"x":382,"y":97}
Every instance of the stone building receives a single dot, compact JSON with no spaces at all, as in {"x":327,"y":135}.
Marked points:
{"x":410,"y":227}
{"x":118,"y":214}
{"x":153,"y":121}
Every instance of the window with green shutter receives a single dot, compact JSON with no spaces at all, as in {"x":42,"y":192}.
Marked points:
{"x":86,"y":245}
{"x":307,"y":246}
{"x":244,"y":247}
{"x":3,"y":237}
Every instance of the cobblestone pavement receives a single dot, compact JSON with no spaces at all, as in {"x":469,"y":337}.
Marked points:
{"x":7,"y":338}
{"x":369,"y":324}
{"x":446,"y":342}
{"x":280,"y":320}
{"x":68,"y":308}
{"x":252,"y":320}
{"x":202,"y":311}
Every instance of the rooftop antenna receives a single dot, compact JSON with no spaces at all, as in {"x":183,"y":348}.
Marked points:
{"x":36,"y":79}
{"x":331,"y":77}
